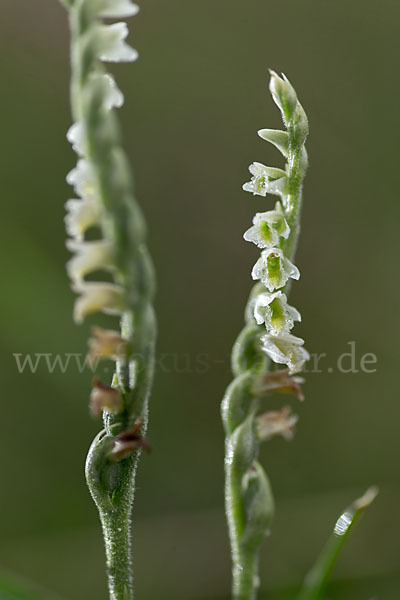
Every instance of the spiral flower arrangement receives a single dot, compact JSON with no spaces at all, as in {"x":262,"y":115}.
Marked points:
{"x":111,"y":272}
{"x":108,"y":239}
{"x":266,"y":340}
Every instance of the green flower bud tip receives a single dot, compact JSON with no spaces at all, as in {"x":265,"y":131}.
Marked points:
{"x":284,"y":95}
{"x":276,"y":137}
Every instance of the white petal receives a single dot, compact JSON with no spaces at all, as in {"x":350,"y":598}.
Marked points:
{"x":89,"y":257}
{"x":258,"y":269}
{"x":294,"y":313}
{"x":258,"y":169}
{"x":82,"y":178}
{"x":117,"y":9}
{"x":111,"y":45}
{"x":81,"y":214}
{"x":96,"y":297}
{"x":252,"y":235}
{"x":254,"y":188}
{"x":75,"y":136}
{"x":113,"y":97}
{"x":251,"y":187}
{"x":261,"y":302}
{"x":291,"y":269}
{"x":286,"y":349}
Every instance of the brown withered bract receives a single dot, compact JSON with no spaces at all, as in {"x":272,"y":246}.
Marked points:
{"x":104,"y":397}
{"x":279,"y":422}
{"x":106,"y":343}
{"x":129,"y":440}
{"x":279,"y":382}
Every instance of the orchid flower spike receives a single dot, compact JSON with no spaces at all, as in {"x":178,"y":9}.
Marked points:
{"x":266,"y":341}
{"x":110,"y":271}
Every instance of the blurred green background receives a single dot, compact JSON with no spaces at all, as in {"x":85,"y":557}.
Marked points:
{"x":194,"y":102}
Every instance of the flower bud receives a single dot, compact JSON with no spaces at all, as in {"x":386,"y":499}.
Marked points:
{"x":300,"y":127}
{"x":284,"y":96}
{"x":278,"y":138}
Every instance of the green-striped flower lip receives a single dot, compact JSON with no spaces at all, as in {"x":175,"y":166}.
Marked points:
{"x":274,"y":269}
{"x":274,"y":311}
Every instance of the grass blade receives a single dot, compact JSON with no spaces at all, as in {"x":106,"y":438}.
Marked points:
{"x":15,"y":588}
{"x":316,"y":579}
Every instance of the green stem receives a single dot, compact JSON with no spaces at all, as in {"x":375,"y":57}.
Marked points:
{"x":112,"y":488}
{"x":245,"y":576}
